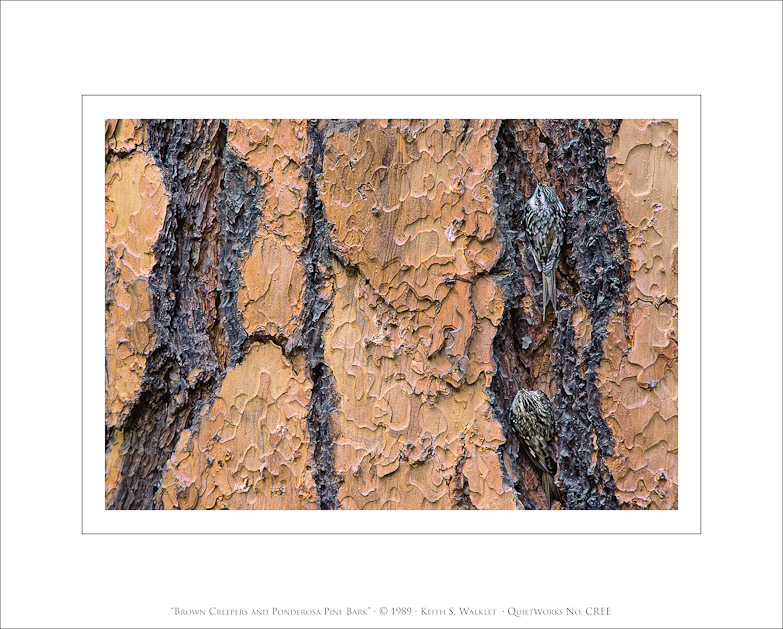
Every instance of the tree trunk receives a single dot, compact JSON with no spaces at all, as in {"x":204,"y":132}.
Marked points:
{"x":335,"y":314}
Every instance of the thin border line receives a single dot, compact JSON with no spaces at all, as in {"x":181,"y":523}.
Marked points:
{"x":391,"y":532}
{"x":701,"y":344}
{"x":399,"y":1}
{"x":701,"y":457}
{"x":382,"y":95}
{"x":82,"y":313}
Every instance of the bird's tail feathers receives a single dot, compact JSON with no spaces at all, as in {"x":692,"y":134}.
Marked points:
{"x":551,"y":490}
{"x":549,"y":288}
{"x":552,"y":292}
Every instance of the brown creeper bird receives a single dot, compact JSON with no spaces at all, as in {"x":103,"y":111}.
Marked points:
{"x":533,"y":421}
{"x":545,"y":219}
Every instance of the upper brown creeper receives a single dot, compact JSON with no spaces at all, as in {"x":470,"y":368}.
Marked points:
{"x":545,"y":220}
{"x":533,"y":421}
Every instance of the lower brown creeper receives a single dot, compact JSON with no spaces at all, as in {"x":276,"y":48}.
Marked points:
{"x":533,"y":421}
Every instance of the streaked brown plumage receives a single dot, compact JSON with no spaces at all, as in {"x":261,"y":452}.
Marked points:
{"x":545,"y":220}
{"x":533,"y":421}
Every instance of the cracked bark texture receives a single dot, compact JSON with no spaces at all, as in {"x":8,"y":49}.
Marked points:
{"x":335,"y":314}
{"x":638,"y":376}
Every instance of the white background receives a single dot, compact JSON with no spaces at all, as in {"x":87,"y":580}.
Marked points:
{"x":730,"y":575}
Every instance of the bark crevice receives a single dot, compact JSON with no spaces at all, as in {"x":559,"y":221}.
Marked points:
{"x":240,"y":197}
{"x":592,"y":278}
{"x":318,"y":299}
{"x":183,"y":370}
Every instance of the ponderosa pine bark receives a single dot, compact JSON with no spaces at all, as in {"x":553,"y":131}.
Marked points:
{"x":334,"y":314}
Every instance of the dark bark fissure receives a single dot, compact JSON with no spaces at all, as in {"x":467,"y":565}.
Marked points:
{"x":183,"y":369}
{"x":317,"y":301}
{"x":460,"y":493}
{"x":118,"y":155}
{"x":240,"y":199}
{"x":593,"y":269}
{"x":514,"y":340}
